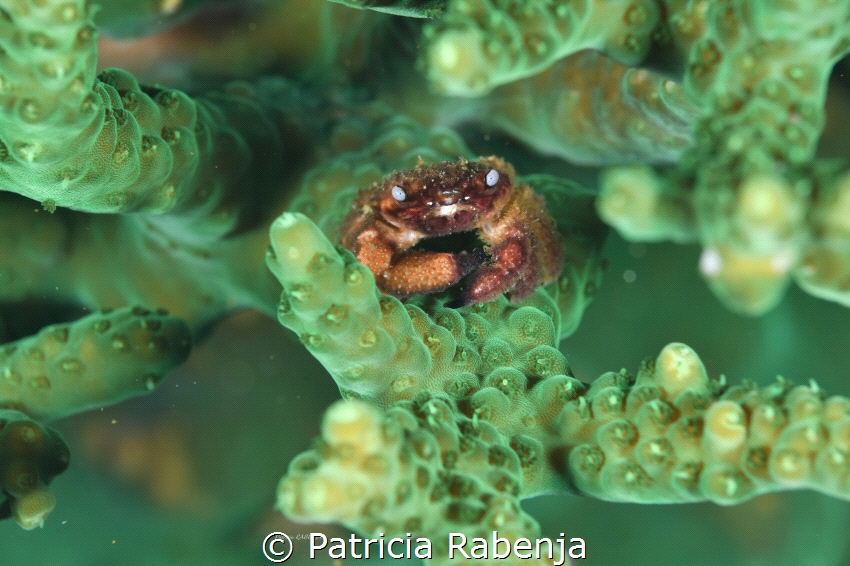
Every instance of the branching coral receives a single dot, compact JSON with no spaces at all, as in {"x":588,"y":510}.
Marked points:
{"x":415,"y":8}
{"x":106,"y":145}
{"x":479,"y":44}
{"x":112,"y":147}
{"x":482,"y":410}
{"x":128,"y":194}
{"x":740,"y":112}
{"x":749,"y":180}
{"x":67,"y":368}
{"x":590,"y":109}
{"x":95,"y":361}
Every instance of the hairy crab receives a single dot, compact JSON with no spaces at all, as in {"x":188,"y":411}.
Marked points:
{"x":462,"y":222}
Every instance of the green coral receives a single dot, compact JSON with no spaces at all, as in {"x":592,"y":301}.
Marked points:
{"x":379,"y":349}
{"x":104,"y":144}
{"x":97,"y":360}
{"x":646,"y":115}
{"x":732,"y":92}
{"x":461,"y":412}
{"x":414,"y":8}
{"x":479,"y":44}
{"x":418,"y":468}
{"x":481,"y":410}
{"x":749,"y":188}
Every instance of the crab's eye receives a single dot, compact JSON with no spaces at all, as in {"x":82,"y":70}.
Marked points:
{"x":398,"y":193}
{"x":492,"y":178}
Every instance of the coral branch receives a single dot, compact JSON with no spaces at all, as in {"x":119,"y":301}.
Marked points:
{"x":118,"y":146}
{"x":95,"y":361}
{"x":379,"y":349}
{"x":30,"y":456}
{"x":674,"y":436}
{"x":413,"y":8}
{"x":750,"y":180}
{"x":481,"y":410}
{"x":419,"y":468}
{"x":480,"y":44}
{"x":710,"y":112}
{"x":588,"y":108}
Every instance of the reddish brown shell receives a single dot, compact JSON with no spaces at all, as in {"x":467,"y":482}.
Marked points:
{"x":521,"y":247}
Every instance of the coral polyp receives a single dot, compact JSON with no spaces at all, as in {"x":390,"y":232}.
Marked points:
{"x":319,"y":162}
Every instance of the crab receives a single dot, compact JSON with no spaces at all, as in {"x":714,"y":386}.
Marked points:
{"x":465,"y":225}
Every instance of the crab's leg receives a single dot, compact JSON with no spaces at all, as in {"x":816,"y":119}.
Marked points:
{"x":421,"y":272}
{"x":510,"y":261}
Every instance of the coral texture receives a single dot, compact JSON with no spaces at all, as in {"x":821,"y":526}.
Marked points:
{"x":415,"y":8}
{"x":749,"y":188}
{"x":30,"y":456}
{"x":95,"y":361}
{"x":482,"y":410}
{"x":479,"y":44}
{"x":706,"y":119}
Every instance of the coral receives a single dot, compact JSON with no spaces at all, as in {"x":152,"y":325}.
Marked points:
{"x":113,"y":147}
{"x":749,"y":188}
{"x":479,"y":44}
{"x":481,"y":409}
{"x":418,"y":469}
{"x":415,"y":8}
{"x":371,"y":344}
{"x":732,"y":92}
{"x":30,"y":456}
{"x":707,"y":117}
{"x":97,"y":360}
{"x":645,"y":117}
{"x":104,"y":144}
